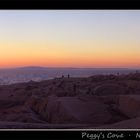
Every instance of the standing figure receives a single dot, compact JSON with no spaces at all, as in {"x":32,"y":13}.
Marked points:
{"x":89,"y":91}
{"x":74,"y":88}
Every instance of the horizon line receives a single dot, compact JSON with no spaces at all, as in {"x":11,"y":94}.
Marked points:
{"x":16,"y":67}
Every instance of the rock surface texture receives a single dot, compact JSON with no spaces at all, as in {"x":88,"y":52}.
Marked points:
{"x":100,"y":101}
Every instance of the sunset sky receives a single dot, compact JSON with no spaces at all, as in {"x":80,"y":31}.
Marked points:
{"x":76,"y":38}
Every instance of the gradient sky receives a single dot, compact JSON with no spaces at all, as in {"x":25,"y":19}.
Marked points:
{"x":76,"y":38}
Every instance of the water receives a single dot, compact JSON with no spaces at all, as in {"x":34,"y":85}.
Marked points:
{"x":18,"y":75}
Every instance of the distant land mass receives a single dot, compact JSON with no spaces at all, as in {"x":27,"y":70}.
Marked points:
{"x":38,"y":73}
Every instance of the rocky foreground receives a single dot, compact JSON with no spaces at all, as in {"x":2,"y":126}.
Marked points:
{"x":100,"y":101}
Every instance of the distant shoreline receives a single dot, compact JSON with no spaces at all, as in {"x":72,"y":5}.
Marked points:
{"x":45,"y":67}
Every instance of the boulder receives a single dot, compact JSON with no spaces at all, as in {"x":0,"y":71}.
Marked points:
{"x":126,"y":124}
{"x":76,"y":110}
{"x":109,"y":89}
{"x":112,"y":99}
{"x":130,"y":105}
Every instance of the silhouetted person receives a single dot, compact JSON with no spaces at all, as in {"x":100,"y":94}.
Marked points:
{"x":62,"y":76}
{"x":68,"y":76}
{"x":89,"y":91}
{"x":74,"y":88}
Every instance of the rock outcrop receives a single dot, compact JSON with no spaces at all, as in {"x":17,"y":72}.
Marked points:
{"x":97,"y":101}
{"x":130,"y":105}
{"x":76,"y":110}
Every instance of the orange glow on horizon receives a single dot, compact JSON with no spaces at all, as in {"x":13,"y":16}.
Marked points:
{"x":70,"y":62}
{"x":70,"y":39}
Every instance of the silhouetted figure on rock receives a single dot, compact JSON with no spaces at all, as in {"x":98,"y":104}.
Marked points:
{"x":68,"y":76}
{"x":89,"y":91}
{"x":74,"y":88}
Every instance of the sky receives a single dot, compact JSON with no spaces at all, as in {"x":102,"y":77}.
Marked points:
{"x":70,"y":38}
